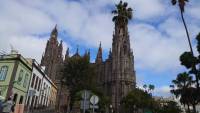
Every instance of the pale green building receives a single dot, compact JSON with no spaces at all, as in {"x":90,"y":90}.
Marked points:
{"x":15,"y":74}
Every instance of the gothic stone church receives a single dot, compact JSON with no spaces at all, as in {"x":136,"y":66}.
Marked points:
{"x":115,"y":75}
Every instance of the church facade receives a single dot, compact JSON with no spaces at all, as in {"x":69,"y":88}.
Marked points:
{"x":115,"y":76}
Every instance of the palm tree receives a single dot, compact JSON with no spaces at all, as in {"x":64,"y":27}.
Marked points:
{"x":181,"y":4}
{"x":182,"y":9}
{"x":145,"y":87}
{"x":122,"y":12}
{"x":151,"y":88}
{"x":180,"y":87}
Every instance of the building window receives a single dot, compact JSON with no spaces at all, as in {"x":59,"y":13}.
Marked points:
{"x":36,"y":101}
{"x":3,"y":72}
{"x":36,"y":83}
{"x":15,"y":97}
{"x":21,"y":100}
{"x":32,"y":102}
{"x":21,"y":73}
{"x":25,"y":81}
{"x":33,"y":80}
{"x":39,"y":84}
{"x":28,"y":101}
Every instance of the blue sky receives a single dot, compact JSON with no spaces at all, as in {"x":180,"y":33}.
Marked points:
{"x":156,"y":32}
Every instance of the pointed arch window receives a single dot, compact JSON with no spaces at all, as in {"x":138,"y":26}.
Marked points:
{"x":3,"y":72}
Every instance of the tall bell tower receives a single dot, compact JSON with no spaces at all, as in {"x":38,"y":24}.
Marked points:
{"x":123,"y":73}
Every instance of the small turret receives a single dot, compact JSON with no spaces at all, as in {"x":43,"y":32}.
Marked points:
{"x":77,"y":53}
{"x":99,"y":55}
{"x":60,"y":48}
{"x":77,"y":50}
{"x":88,"y":53}
{"x":60,"y":45}
{"x":67,"y":53}
{"x":110,"y":54}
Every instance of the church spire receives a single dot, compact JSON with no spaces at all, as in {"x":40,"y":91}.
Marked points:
{"x":110,"y":54}
{"x":54,"y":33}
{"x":60,"y":49}
{"x":77,"y":52}
{"x":99,"y":55}
{"x":67,"y":53}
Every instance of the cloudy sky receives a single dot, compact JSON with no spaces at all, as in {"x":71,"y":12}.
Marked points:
{"x":156,"y":31}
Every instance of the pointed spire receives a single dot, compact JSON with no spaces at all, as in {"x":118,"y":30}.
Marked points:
{"x":67,"y":52}
{"x":100,"y":49}
{"x":100,"y":45}
{"x":77,"y":50}
{"x":54,"y":32}
{"x":60,"y":43}
{"x":110,"y":54}
{"x":86,"y":55}
{"x":60,"y":49}
{"x":88,"y":52}
{"x":60,"y":46}
{"x":99,"y":54}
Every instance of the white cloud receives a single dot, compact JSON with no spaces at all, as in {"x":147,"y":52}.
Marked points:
{"x":153,"y":50}
{"x":193,"y":9}
{"x":21,"y":26}
{"x":147,"y":9}
{"x":31,"y":47}
{"x":162,"y":91}
{"x":18,"y":18}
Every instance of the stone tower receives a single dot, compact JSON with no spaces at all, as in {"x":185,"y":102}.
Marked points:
{"x":53,"y":62}
{"x":52,"y":59}
{"x":116,"y":75}
{"x":123,"y":74}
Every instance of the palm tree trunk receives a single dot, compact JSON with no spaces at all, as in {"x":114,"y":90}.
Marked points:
{"x":188,"y":37}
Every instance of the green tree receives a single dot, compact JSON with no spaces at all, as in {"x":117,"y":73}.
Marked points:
{"x":122,"y":12}
{"x":79,"y":75}
{"x":182,"y":83}
{"x":151,"y":88}
{"x":192,"y":63}
{"x":138,"y":99}
{"x":145,"y":87}
{"x":169,"y":107}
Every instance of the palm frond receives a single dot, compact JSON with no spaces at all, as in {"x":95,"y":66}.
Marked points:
{"x":114,"y":12}
{"x":125,"y":4}
{"x":173,"y":2}
{"x":114,"y":18}
{"x":129,"y":9}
